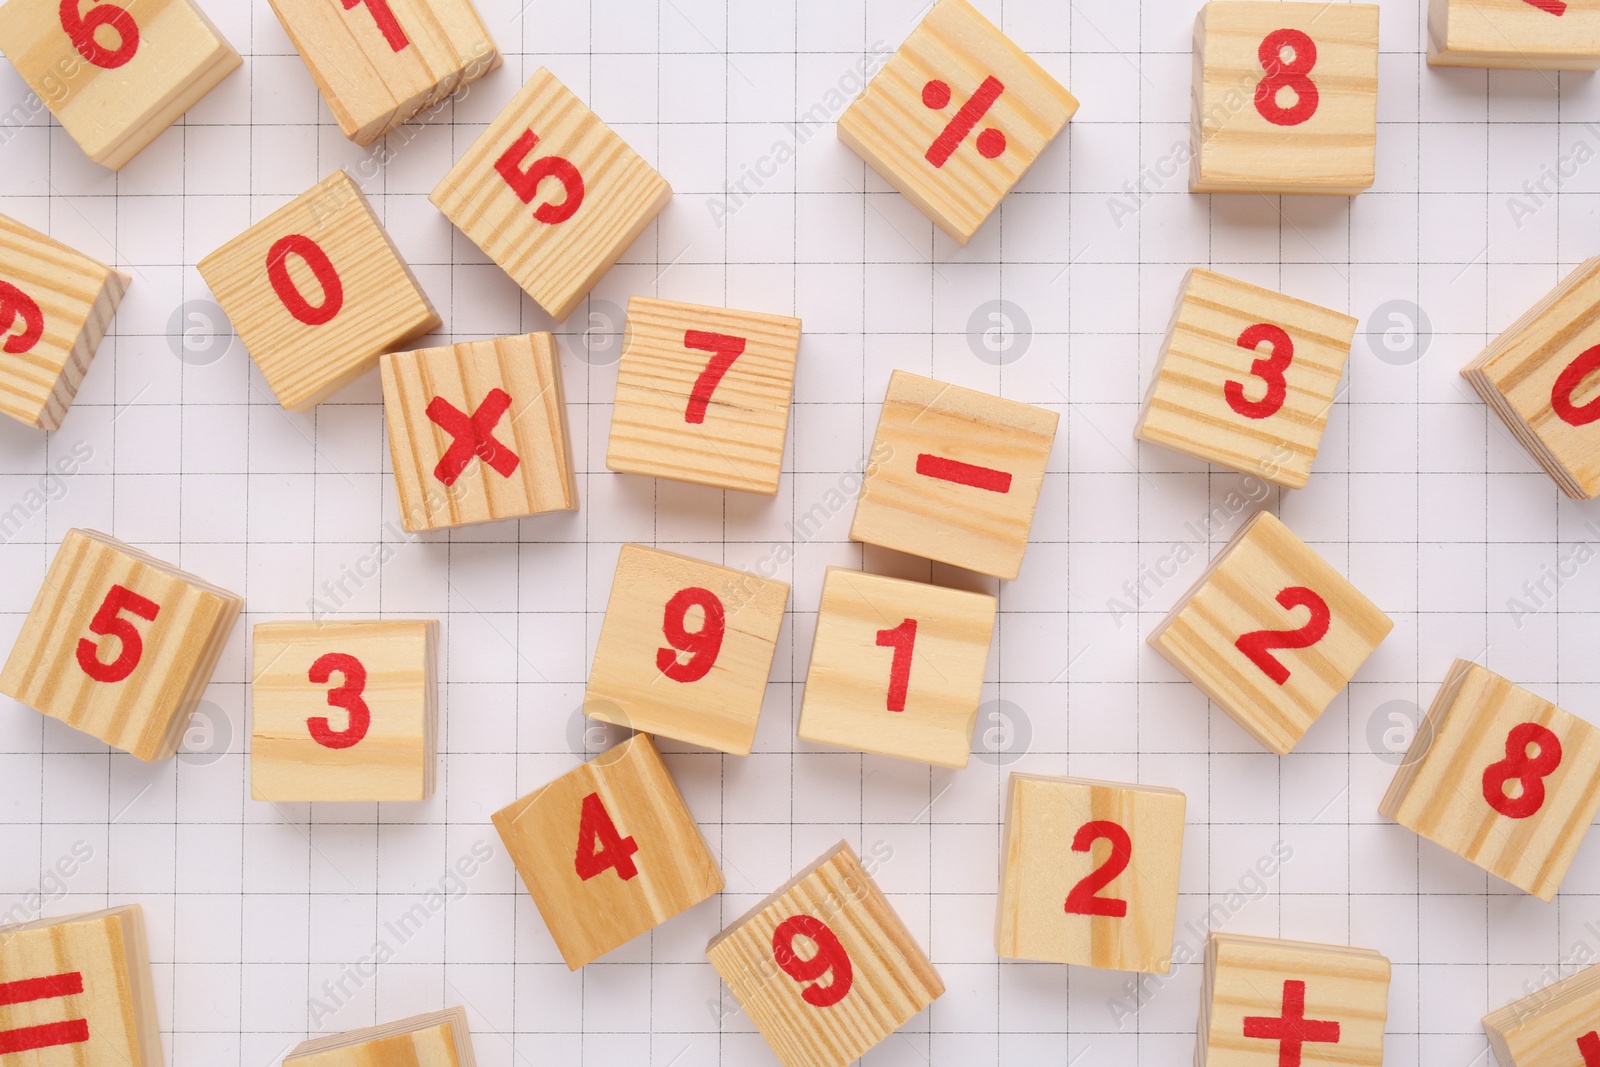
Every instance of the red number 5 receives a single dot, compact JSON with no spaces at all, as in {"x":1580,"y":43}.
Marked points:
{"x":829,"y":956}
{"x":1084,"y":899}
{"x":1258,"y":646}
{"x":1269,"y":370}
{"x":525,"y":183}
{"x":347,"y":696}
{"x":107,"y":622}
{"x":81,"y":29}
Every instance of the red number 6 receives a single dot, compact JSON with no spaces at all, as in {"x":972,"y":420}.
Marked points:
{"x":81,"y":29}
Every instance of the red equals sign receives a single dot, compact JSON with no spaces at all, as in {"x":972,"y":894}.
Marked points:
{"x":953,"y":470}
{"x":29,"y":990}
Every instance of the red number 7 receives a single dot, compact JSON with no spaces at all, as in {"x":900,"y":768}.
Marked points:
{"x":1550,"y":7}
{"x":724,"y":351}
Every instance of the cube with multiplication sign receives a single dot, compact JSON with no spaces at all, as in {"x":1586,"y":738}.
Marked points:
{"x":1557,"y":1026}
{"x":1514,"y":34}
{"x":439,"y":1039}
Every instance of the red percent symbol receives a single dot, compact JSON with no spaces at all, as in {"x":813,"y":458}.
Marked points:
{"x":991,"y":142}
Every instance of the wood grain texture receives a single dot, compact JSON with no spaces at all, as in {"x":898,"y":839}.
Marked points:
{"x":892,"y":128}
{"x":555,"y":263}
{"x":1238,"y":595}
{"x":371,"y":87}
{"x":76,"y":297}
{"x":675,"y":870}
{"x":1440,"y":789}
{"x":847,"y":694}
{"x":394,"y":758}
{"x":1542,"y":1030}
{"x":108,"y":951}
{"x":891,"y":978}
{"x":978,"y":528}
{"x":534,"y":428}
{"x":114,"y":112}
{"x":1518,"y":374}
{"x":627,"y":686}
{"x":1512,"y":35}
{"x":737,"y":440}
{"x":1235,"y":149}
{"x":1187,"y":408}
{"x":1042,"y":867}
{"x":383,"y":307}
{"x":1245,"y":978}
{"x":146,"y":712}
{"x":439,"y":1039}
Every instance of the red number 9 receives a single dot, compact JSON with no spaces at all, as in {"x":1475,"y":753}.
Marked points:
{"x":702,"y":645}
{"x":829,"y":956}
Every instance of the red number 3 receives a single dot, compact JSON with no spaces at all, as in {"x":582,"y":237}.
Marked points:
{"x":1294,"y":75}
{"x":1529,"y":772}
{"x":107,"y":622}
{"x":81,"y":29}
{"x":1269,"y":370}
{"x":1258,"y":646}
{"x":347,"y":696}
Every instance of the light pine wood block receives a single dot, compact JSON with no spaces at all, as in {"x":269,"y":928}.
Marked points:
{"x":119,"y":645}
{"x":1231,"y":634}
{"x":1247,"y":378}
{"x":621,"y":820}
{"x":1542,"y":377}
{"x":437,"y":1040}
{"x":685,"y":649}
{"x":1475,"y":780}
{"x":1090,"y":873}
{"x":1283,"y":144}
{"x":1554,"y":1027}
{"x":114,"y":96}
{"x":956,"y":117}
{"x":344,"y":710}
{"x":957,"y":475}
{"x":1266,"y":1000}
{"x":478,"y":432}
{"x":879,"y":977}
{"x":379,"y":63}
{"x":558,"y":235}
{"x":77,"y":991}
{"x":897,"y":667}
{"x":684,"y":411}
{"x":55,"y":307}
{"x":1514,"y":34}
{"x":317,"y":292}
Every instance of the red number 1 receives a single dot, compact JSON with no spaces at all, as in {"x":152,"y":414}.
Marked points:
{"x":347,"y":696}
{"x":392,"y":32}
{"x":903,"y":639}
{"x":724,"y":351}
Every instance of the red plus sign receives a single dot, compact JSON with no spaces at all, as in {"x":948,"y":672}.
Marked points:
{"x":474,"y":436}
{"x":1292,"y":1030}
{"x":1589,"y":1045}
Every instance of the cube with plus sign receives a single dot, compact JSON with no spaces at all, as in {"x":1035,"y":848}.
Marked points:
{"x":1557,"y":1026}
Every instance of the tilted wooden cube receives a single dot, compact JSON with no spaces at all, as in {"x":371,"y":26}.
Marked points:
{"x":115,"y":74}
{"x":437,"y":1040}
{"x":55,"y":307}
{"x":1271,"y":633}
{"x":1247,"y":378}
{"x":551,"y":194}
{"x":824,"y":967}
{"x":1513,"y":34}
{"x":1554,"y":1027}
{"x":1501,"y":777}
{"x":119,"y":645}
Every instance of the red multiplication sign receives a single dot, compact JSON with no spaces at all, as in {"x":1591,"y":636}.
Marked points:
{"x":473,"y":435}
{"x":1292,"y":1031}
{"x":48,"y":1035}
{"x":968,"y":474}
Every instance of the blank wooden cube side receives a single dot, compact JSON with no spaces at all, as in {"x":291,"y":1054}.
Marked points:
{"x":1552,"y":1026}
{"x":440,"y":1039}
{"x":1513,"y":34}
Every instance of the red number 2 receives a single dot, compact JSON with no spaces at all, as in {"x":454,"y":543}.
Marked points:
{"x":829,"y":956}
{"x":525,"y":183}
{"x":1258,"y":646}
{"x":1083,"y":900}
{"x":347,"y":696}
{"x":278,"y":274}
{"x":1574,"y":376}
{"x":1527,"y":771}
{"x":107,"y":622}
{"x":1293,"y":75}
{"x":387,"y":23}
{"x":903,"y":639}
{"x":1269,"y":370}
{"x":81,"y":29}
{"x":702,"y":645}
{"x":15,"y":304}
{"x":600,"y":847}
{"x":724,"y":351}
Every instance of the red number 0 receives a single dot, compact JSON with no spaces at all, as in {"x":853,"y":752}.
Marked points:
{"x":1566,"y":385}
{"x":1269,"y":370}
{"x":107,"y":622}
{"x":321,"y":266}
{"x":387,"y":23}
{"x":15,"y":304}
{"x":1258,"y":646}
{"x":81,"y":29}
{"x":347,"y":696}
{"x":600,"y":847}
{"x":724,"y":351}
{"x":829,"y":956}
{"x":702,"y":645}
{"x":525,"y":183}
{"x":1527,"y":771}
{"x":1293,"y":75}
{"x":903,"y":639}
{"x":1083,"y":900}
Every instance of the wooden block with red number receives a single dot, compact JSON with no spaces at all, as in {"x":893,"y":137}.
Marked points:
{"x":1089,"y":873}
{"x":1558,"y":1026}
{"x":1247,"y":378}
{"x":1514,"y":34}
{"x":437,"y":1040}
{"x":1542,"y":377}
{"x":824,"y":967}
{"x":957,"y":117}
{"x":115,"y":74}
{"x":551,"y":194}
{"x":379,"y":62}
{"x":1271,"y":633}
{"x":119,"y":645}
{"x":703,"y":395}
{"x":958,"y":475}
{"x":344,"y":710}
{"x":55,"y":307}
{"x":897,"y":667}
{"x":685,"y":649}
{"x":1285,"y":98}
{"x":478,"y":432}
{"x":317,"y":292}
{"x":1267,"y":1003}
{"x":609,"y":851}
{"x":1501,"y":777}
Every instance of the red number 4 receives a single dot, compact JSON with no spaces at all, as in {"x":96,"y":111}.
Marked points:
{"x":600,"y":847}
{"x":1084,"y":899}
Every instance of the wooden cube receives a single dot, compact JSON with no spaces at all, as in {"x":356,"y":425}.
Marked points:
{"x":77,"y":990}
{"x":119,"y":645}
{"x":897,"y":667}
{"x":344,"y":710}
{"x":1267,"y":1003}
{"x":551,"y":194}
{"x":1247,"y":378}
{"x":1285,"y":98}
{"x":1540,"y":377}
{"x":955,"y":475}
{"x":55,"y":308}
{"x":1501,"y":777}
{"x":876,"y":976}
{"x":379,"y":62}
{"x":317,"y":292}
{"x":1513,"y":34}
{"x":703,"y":395}
{"x":115,"y":74}
{"x":437,"y":1040}
{"x":1090,"y":873}
{"x":478,"y":432}
{"x":685,"y":649}
{"x":957,"y":117}
{"x":609,"y":851}
{"x":1555,"y":1027}
{"x":1271,"y":633}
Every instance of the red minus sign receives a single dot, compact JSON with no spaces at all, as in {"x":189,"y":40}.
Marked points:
{"x":28,"y":1038}
{"x":953,"y":470}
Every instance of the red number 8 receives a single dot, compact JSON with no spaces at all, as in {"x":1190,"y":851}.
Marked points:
{"x":1527,"y":771}
{"x":1292,"y":75}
